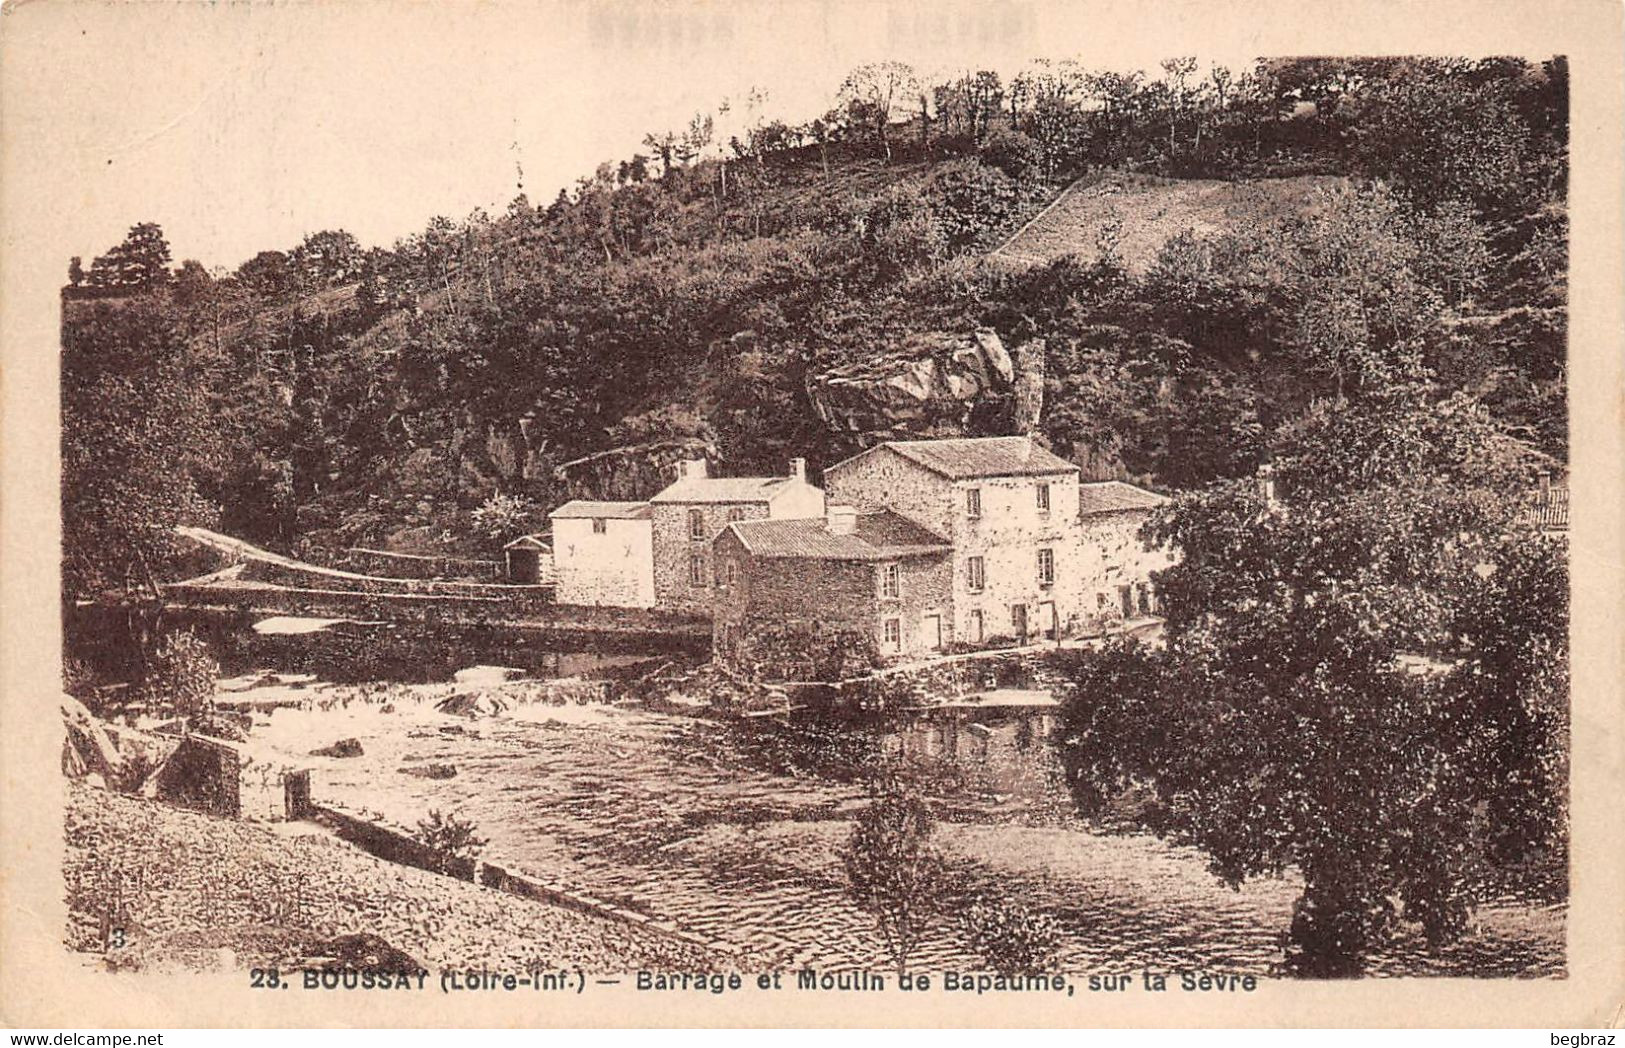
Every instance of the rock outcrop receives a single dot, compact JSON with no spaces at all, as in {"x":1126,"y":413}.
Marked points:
{"x":935,"y":385}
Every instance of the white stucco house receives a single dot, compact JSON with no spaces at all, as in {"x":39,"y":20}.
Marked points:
{"x":603,"y":553}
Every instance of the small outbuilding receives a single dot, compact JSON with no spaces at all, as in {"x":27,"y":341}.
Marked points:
{"x":524,"y":556}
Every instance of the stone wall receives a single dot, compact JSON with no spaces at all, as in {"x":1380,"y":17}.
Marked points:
{"x":675,"y":549}
{"x":415,"y":565}
{"x":817,"y":596}
{"x":399,"y":845}
{"x":784,"y":594}
{"x":1008,"y":536}
{"x":925,"y":587}
{"x":547,"y":616}
{"x":612,"y":569}
{"x":1114,"y":557}
{"x":883,"y":478}
{"x":392,"y":843}
{"x":310,"y":576}
{"x":200,"y":776}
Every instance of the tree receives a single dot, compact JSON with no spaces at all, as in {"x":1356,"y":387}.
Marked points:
{"x":665,"y":145}
{"x":193,"y":284}
{"x":137,"y":439}
{"x":140,"y":263}
{"x":1438,"y":134}
{"x":893,"y":872}
{"x":268,"y":274}
{"x":1279,"y":727}
{"x":326,"y":259}
{"x":1350,"y":270}
{"x":1176,"y":93}
{"x":871,"y":93}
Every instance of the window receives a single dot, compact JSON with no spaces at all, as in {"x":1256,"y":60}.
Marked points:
{"x":975,"y":627}
{"x":736,"y":513}
{"x":1043,"y":498}
{"x":732,"y":578}
{"x":696,"y":570}
{"x":894,"y":634}
{"x":975,"y":575}
{"x":1046,"y":567}
{"x":599,"y":525}
{"x":973,"y":502}
{"x":696,"y":525}
{"x":890,"y":581}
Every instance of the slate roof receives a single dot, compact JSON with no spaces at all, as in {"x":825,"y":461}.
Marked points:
{"x":1114,"y":496}
{"x":878,"y":535}
{"x":962,"y":458}
{"x":534,"y":541}
{"x":580,"y":508}
{"x":721,"y":489}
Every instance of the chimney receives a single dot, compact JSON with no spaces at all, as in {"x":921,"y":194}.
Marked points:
{"x":841,"y":520}
{"x":691,"y":469}
{"x":798,"y":469}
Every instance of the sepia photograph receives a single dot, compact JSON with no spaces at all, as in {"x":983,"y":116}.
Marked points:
{"x":981,"y":512}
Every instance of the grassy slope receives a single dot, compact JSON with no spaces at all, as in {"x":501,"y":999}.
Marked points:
{"x":1151,"y":210}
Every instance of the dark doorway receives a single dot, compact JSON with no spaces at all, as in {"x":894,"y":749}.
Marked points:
{"x":524,"y":566}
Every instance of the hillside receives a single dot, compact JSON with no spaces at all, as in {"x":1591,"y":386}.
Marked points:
{"x":1136,"y":215}
{"x":804,"y":291}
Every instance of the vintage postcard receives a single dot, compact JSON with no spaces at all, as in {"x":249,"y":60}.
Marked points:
{"x":782,"y":514}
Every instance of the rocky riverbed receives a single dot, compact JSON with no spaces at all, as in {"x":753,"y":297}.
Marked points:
{"x":734,"y":833}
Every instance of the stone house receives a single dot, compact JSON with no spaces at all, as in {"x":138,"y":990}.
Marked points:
{"x":1116,"y":562}
{"x":870,"y":581}
{"x":603,"y":553}
{"x":1036,"y":553}
{"x":688,"y":516}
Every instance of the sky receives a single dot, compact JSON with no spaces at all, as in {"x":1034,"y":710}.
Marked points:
{"x":243,"y":127}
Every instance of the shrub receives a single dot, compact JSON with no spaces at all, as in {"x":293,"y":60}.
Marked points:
{"x":1010,"y":937}
{"x":451,"y":838}
{"x":180,"y":675}
{"x":501,"y":517}
{"x":1014,"y":153}
{"x":970,"y":199}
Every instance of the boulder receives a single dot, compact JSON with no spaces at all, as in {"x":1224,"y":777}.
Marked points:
{"x":341,"y":748}
{"x":88,"y":749}
{"x":932,"y":385}
{"x":431,"y":771}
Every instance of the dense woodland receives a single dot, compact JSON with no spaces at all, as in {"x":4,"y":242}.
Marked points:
{"x":686,"y":297}
{"x":1394,"y":354}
